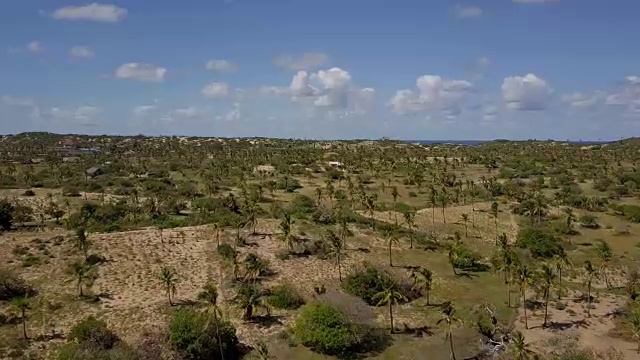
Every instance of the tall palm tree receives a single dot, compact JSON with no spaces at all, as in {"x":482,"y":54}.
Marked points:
{"x":392,"y":239}
{"x":22,"y":304}
{"x":169,"y":279}
{"x":286,"y":230}
{"x":452,"y":256}
{"x":81,"y":241}
{"x":319,"y":196}
{"x":465,"y":221}
{"x":433,"y":197}
{"x":561,"y":261}
{"x":251,"y":216}
{"x":250,"y":298}
{"x":80,"y":270}
{"x":524,"y":280}
{"x":336,"y":249}
{"x":494,"y":213}
{"x":520,"y":349}
{"x":262,"y":351}
{"x":395,"y":194}
{"x":423,"y":281}
{"x":370,"y":204}
{"x":605,"y":253}
{"x":443,"y":198}
{"x":546,"y":277}
{"x":390,"y":296}
{"x":409,"y":218}
{"x":448,"y":319}
{"x":591,"y":273}
{"x":634,"y":321}
{"x":209,"y":296}
{"x":571,"y":218}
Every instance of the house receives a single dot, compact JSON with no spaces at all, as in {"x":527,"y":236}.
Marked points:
{"x":335,"y":164}
{"x":94,"y":171}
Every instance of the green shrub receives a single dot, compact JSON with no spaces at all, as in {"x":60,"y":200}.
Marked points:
{"x":540,"y":242}
{"x":285,"y":297}
{"x":13,"y":286}
{"x":326,"y":330}
{"x":227,"y":252}
{"x":6,"y":214}
{"x":29,"y":192}
{"x":467,"y":259}
{"x":302,"y":204}
{"x":589,"y":221}
{"x":194,"y":335}
{"x":94,"y":332}
{"x":369,"y":281}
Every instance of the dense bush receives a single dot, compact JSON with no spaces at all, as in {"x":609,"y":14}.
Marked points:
{"x":227,"y":252}
{"x":6,"y":214}
{"x":589,"y":221}
{"x":369,"y":281}
{"x":13,"y":286}
{"x":90,"y":339}
{"x":95,"y":332}
{"x":301,"y":205}
{"x":194,"y":336}
{"x":540,"y":242}
{"x":326,"y":330}
{"x":466,"y":259}
{"x":285,"y":297}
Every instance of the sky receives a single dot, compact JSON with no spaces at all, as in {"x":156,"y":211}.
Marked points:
{"x":323,"y":69}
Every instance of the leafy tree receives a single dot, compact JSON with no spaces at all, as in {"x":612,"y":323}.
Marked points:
{"x":169,"y":279}
{"x":22,"y":304}
{"x":390,"y":296}
{"x":285,"y":297}
{"x":634,"y":321}
{"x":192,"y":337}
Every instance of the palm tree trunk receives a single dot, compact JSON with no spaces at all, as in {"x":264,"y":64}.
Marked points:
{"x":390,"y":259}
{"x":524,"y":306}
{"x":427,"y":297}
{"x":589,"y":299}
{"x":391,"y":317}
{"x":24,"y":325}
{"x":546,"y":306}
{"x":509,"y":293}
{"x":443,"y":218}
{"x":215,"y":318}
{"x":559,"y":283}
{"x":339,"y":270}
{"x":453,"y":354}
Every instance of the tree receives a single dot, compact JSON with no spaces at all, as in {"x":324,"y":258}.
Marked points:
{"x":250,"y":297}
{"x":443,"y":198}
{"x":494,"y":213}
{"x":465,"y":221}
{"x":286,"y":230}
{"x":22,"y":304}
{"x":251,"y":217}
{"x":395,"y":194}
{"x":433,"y":197}
{"x":524,"y":280}
{"x":319,"y":196}
{"x":392,"y":239}
{"x":390,"y":296}
{"x":448,"y":318}
{"x":591,"y":273}
{"x":262,"y":351}
{"x":82,"y":272}
{"x":209,"y":296}
{"x":634,"y":321}
{"x":546,"y":277}
{"x":169,"y":280}
{"x":6,"y":214}
{"x":571,"y":218}
{"x":336,"y":249}
{"x":561,"y":261}
{"x":81,"y":241}
{"x":409,"y":218}
{"x":520,"y":349}
{"x":605,"y":253}
{"x":423,"y":281}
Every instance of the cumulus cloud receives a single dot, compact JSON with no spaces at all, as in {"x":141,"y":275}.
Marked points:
{"x":83,"y":115}
{"x":433,"y":94}
{"x":525,"y":93}
{"x":216,"y":90}
{"x":143,"y":110}
{"x":222,"y":66}
{"x":141,"y":72}
{"x":628,"y":97}
{"x":35,"y":47}
{"x":92,"y":12}
{"x":82,"y":52}
{"x":9,"y":100}
{"x":465,"y":12}
{"x":274,"y":90}
{"x":582,"y":100}
{"x":306,"y":61}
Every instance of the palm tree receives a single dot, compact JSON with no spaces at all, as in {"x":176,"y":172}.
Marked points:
{"x":319,"y":196}
{"x":547,"y":276}
{"x":250,"y":298}
{"x":209,"y":296}
{"x":394,"y":195}
{"x":448,"y":318}
{"x":520,"y":349}
{"x":392,"y":238}
{"x":591,"y":273}
{"x":82,"y":243}
{"x":443,"y":197}
{"x":262,"y":351}
{"x":465,"y":220}
{"x":336,"y":249}
{"x":433,"y":197}
{"x":286,"y":230}
{"x":216,"y":228}
{"x":390,"y":296}
{"x":22,"y":304}
{"x":330,"y":190}
{"x":452,"y":256}
{"x":370,"y":203}
{"x":524,"y":280}
{"x":251,"y":218}
{"x":423,"y":281}
{"x":409,"y":218}
{"x":605,"y":254}
{"x":494,"y":213}
{"x":169,"y":280}
{"x":561,"y":261}
{"x":343,"y":222}
{"x":571,"y":218}
{"x":634,"y":321}
{"x":81,"y":272}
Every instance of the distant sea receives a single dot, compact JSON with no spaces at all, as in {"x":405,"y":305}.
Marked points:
{"x":479,"y":142}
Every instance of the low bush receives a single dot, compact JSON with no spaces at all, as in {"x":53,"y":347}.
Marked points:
{"x":540,"y":242}
{"x":285,"y":297}
{"x":29,"y":192}
{"x":589,"y":221}
{"x":369,"y":281}
{"x":91,"y":339}
{"x":13,"y":286}
{"x":194,"y":336}
{"x":95,"y":332}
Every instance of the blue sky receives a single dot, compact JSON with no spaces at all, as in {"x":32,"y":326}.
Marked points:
{"x":410,"y":69}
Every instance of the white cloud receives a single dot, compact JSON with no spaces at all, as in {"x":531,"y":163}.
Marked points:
{"x":17,"y":101}
{"x":235,"y":114}
{"x":142,"y":72}
{"x":628,"y":96}
{"x":525,"y":93}
{"x":274,"y":90}
{"x":82,"y":52}
{"x":92,"y":12}
{"x":82,"y":115}
{"x":307,"y":61}
{"x":216,"y":90}
{"x":223,"y":66}
{"x":143,"y":110}
{"x":300,"y":85}
{"x":434,"y":94}
{"x":465,"y":12}
{"x":35,"y":47}
{"x":582,"y":100}
{"x":483,"y":62}
{"x":633,"y":80}
{"x":334,"y":87}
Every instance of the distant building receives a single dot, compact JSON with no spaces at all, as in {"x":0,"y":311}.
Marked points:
{"x":94,"y":171}
{"x":335,"y":164}
{"x":70,"y":143}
